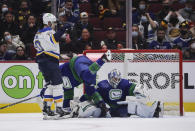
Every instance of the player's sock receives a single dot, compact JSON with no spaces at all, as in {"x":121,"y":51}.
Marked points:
{"x":58,"y":94}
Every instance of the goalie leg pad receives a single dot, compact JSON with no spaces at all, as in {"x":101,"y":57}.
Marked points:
{"x":142,"y":110}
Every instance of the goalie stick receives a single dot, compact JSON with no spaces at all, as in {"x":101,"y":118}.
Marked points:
{"x":19,"y":102}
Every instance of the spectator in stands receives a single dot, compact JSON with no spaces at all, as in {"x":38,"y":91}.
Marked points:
{"x":160,"y":43}
{"x":104,"y":12}
{"x":63,"y":19}
{"x":148,"y":29}
{"x":166,"y":8}
{"x":146,"y":21}
{"x":185,"y":36}
{"x":85,"y":42}
{"x":4,"y":9}
{"x":94,"y":5}
{"x":28,"y":32}
{"x":4,"y":55}
{"x":83,"y":23}
{"x":188,"y":12}
{"x":9,"y":24}
{"x":61,"y":4}
{"x":69,"y":37}
{"x":71,"y":13}
{"x":138,"y":41}
{"x":171,"y":23}
{"x":23,"y":13}
{"x":12,"y":41}
{"x":20,"y":54}
{"x":110,"y":42}
{"x":139,"y":14}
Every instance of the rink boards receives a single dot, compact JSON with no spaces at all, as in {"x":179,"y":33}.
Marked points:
{"x":23,"y":80}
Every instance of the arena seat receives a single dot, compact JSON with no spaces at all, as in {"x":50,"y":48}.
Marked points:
{"x":99,"y":35}
{"x":121,"y":35}
{"x":112,"y":21}
{"x":96,"y":22}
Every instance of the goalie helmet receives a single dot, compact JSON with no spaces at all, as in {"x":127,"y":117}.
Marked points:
{"x":48,"y":17}
{"x":114,"y":77}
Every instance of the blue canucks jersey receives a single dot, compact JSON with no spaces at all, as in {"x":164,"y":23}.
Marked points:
{"x":112,"y":95}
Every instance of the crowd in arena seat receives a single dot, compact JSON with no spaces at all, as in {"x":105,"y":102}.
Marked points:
{"x":98,"y":24}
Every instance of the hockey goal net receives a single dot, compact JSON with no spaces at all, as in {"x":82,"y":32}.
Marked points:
{"x":158,"y":70}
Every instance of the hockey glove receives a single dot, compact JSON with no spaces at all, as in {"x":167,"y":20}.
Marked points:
{"x":104,"y":109}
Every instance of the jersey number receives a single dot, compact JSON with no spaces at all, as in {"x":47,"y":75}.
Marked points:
{"x":38,"y":46}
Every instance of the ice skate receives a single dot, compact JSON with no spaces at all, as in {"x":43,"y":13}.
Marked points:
{"x":60,"y":112}
{"x":48,"y":114}
{"x":107,"y":56}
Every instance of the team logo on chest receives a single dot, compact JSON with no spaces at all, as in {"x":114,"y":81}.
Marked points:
{"x":115,"y":94}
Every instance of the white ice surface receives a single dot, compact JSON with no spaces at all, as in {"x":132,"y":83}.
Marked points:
{"x":34,"y":122}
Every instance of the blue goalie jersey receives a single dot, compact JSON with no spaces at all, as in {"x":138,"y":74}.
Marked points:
{"x":112,"y":95}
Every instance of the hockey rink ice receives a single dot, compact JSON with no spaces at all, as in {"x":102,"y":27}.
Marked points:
{"x":34,"y":122}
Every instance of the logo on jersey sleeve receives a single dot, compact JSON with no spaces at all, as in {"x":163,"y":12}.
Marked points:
{"x":115,"y":94}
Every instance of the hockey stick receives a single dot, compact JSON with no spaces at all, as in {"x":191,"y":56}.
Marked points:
{"x":19,"y":102}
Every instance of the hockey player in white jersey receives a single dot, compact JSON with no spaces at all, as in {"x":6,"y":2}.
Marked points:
{"x":115,"y":92}
{"x":47,"y":57}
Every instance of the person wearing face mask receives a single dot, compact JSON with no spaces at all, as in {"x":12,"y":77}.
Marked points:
{"x":83,"y":23}
{"x":23,"y":13}
{"x":146,"y":21}
{"x":185,"y":36}
{"x":188,"y":12}
{"x":139,"y":14}
{"x":160,"y":43}
{"x":137,"y":40}
{"x":4,"y":8}
{"x":12,"y":42}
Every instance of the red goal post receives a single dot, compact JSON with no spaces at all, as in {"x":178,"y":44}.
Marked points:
{"x":159,"y":70}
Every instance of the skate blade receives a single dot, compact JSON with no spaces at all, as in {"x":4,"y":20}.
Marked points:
{"x":58,"y":117}
{"x":45,"y":117}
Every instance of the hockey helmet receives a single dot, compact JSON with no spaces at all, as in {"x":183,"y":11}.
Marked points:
{"x":114,"y":77}
{"x":48,"y":17}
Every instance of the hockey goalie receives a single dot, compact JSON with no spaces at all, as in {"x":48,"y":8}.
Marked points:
{"x":123,"y":99}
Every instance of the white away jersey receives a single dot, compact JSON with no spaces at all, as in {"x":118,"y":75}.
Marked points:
{"x":44,"y":42}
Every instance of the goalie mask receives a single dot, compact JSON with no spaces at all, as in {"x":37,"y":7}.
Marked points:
{"x":114,"y":77}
